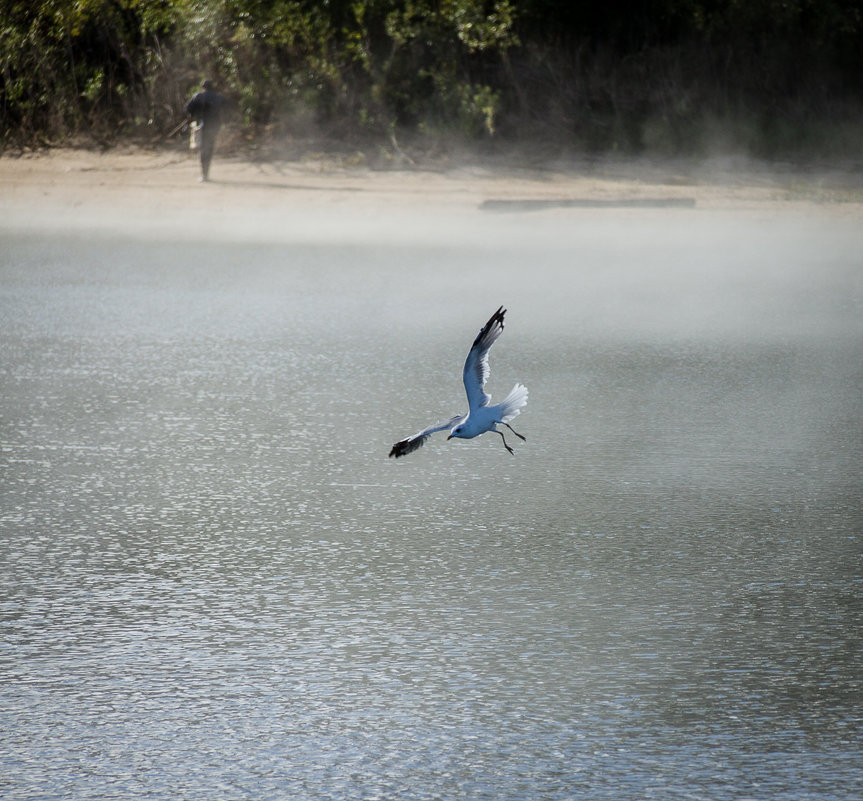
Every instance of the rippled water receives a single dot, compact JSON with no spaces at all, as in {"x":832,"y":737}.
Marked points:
{"x":214,"y":584}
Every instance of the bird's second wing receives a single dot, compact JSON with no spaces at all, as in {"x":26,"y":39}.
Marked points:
{"x":476,"y":370}
{"x":410,"y":444}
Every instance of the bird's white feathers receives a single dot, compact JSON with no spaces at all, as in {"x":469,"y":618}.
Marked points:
{"x":512,"y":404}
{"x":481,"y":416}
{"x":476,"y":370}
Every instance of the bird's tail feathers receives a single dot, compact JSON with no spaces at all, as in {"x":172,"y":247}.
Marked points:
{"x":512,"y":403}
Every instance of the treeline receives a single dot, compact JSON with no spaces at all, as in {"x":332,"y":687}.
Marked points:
{"x":768,"y":77}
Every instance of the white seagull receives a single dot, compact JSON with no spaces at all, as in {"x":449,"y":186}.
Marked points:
{"x":480,"y":417}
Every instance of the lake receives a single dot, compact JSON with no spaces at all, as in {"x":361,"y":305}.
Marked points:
{"x":215,"y":584}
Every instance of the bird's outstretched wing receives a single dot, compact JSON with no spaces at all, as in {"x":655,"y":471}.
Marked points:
{"x":410,"y":444}
{"x":476,"y":370}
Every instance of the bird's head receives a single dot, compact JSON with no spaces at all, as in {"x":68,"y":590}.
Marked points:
{"x":456,"y":432}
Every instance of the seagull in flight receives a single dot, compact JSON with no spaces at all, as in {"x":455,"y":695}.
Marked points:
{"x":480,"y":417}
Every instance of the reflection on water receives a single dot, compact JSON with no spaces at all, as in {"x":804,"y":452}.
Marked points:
{"x":216,"y":585}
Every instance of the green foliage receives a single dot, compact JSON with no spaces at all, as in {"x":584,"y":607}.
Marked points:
{"x":419,"y":61}
{"x":67,"y":67}
{"x":667,"y":75}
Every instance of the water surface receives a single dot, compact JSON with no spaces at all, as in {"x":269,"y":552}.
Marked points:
{"x":214,"y":584}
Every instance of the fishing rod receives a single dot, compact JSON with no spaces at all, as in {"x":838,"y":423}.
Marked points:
{"x":179,"y":128}
{"x":175,"y":130}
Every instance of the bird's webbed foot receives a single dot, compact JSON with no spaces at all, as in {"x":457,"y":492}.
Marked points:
{"x":504,"y":443}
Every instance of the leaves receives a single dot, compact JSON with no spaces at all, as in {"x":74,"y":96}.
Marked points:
{"x":583,"y":71}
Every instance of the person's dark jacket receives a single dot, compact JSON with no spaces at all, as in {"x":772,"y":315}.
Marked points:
{"x":206,"y":107}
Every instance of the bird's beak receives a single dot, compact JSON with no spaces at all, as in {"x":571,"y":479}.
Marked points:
{"x":449,"y":438}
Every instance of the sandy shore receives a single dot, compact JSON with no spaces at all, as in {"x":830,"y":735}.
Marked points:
{"x":126,"y":188}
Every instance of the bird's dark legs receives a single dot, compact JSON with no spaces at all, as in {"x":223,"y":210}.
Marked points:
{"x":504,"y":440}
{"x":524,"y":439}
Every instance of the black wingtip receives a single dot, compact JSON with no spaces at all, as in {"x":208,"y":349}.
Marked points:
{"x":498,"y":316}
{"x":401,"y":448}
{"x":495,"y":319}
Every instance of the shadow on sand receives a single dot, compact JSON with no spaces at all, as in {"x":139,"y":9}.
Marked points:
{"x":281,"y":186}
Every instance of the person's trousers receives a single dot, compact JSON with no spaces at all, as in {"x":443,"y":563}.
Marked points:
{"x":207,"y":145}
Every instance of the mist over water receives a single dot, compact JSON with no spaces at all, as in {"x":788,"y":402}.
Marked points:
{"x":213,"y":582}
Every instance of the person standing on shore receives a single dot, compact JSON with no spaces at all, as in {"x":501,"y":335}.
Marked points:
{"x":205,"y":108}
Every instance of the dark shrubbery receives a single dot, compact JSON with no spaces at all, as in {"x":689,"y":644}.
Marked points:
{"x":668,"y":76}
